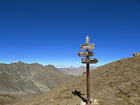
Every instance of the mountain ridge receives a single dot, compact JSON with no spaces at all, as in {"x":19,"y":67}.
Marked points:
{"x":21,"y":79}
{"x":116,"y":83}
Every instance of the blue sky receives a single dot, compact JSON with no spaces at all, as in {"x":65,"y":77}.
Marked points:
{"x":51,"y":31}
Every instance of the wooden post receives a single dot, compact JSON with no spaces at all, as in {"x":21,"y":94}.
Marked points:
{"x":87,"y":60}
{"x":88,"y":79}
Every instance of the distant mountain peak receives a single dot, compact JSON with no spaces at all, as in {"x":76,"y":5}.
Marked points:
{"x":51,"y":67}
{"x":20,"y":62}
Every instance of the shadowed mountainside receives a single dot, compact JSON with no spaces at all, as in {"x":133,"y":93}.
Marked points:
{"x":21,"y":79}
{"x":116,"y":83}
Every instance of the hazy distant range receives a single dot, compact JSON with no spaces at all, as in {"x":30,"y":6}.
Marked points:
{"x":76,"y":71}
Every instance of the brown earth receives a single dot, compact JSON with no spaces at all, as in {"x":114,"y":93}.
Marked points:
{"x":116,"y":83}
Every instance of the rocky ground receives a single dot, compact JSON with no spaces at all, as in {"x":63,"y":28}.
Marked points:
{"x":116,"y":83}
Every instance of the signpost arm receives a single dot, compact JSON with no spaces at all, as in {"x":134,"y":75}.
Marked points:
{"x":88,"y":79}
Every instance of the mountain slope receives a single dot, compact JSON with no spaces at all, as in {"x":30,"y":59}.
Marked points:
{"x":21,"y":79}
{"x":116,"y":83}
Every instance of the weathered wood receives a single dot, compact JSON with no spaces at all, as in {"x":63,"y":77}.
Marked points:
{"x":88,"y":79}
{"x":84,"y":54}
{"x":87,"y":46}
{"x":87,"y":60}
{"x":90,"y":60}
{"x":87,"y":39}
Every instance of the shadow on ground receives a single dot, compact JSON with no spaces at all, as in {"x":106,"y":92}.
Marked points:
{"x":78,"y":93}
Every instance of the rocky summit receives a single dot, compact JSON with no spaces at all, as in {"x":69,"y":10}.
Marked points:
{"x":116,"y":83}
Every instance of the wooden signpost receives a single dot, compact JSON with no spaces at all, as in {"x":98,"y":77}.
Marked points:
{"x":84,"y":54}
{"x":90,"y":60}
{"x":87,"y":46}
{"x":87,"y":60}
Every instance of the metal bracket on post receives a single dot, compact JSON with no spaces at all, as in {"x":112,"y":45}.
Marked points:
{"x":87,"y":60}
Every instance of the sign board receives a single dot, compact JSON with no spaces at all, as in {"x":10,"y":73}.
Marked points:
{"x":87,"y":46}
{"x":90,"y":60}
{"x":84,"y":54}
